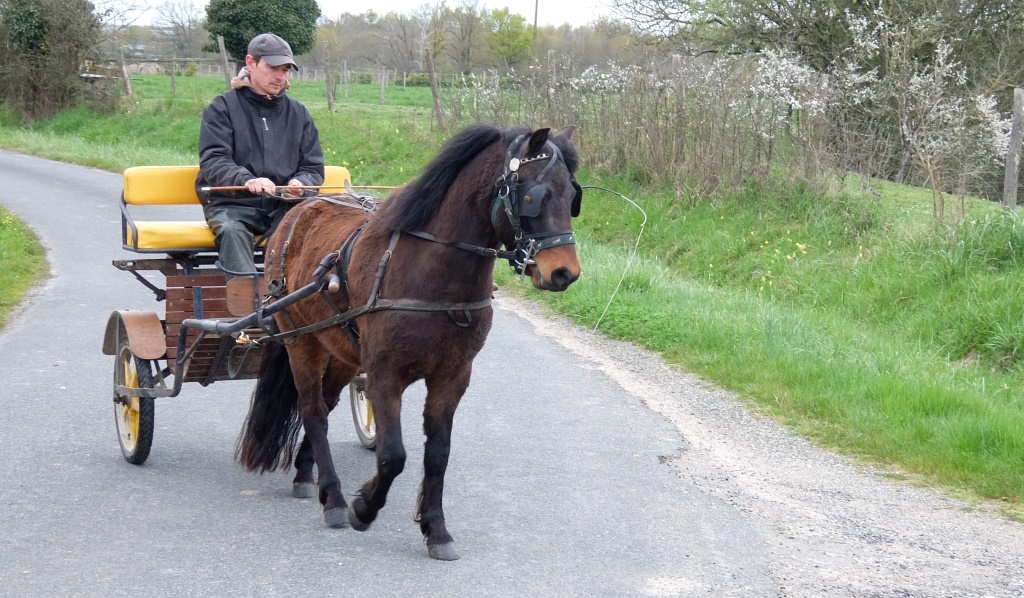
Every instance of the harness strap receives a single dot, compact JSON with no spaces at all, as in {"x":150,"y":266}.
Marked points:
{"x":279,"y":286}
{"x":375,"y":303}
{"x":381,"y":305}
{"x":484,"y":251}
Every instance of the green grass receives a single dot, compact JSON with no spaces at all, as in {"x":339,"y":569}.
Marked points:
{"x":855,"y":319}
{"x":23,"y":264}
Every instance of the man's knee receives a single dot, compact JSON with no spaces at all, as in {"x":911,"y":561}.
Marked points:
{"x":228,"y":226}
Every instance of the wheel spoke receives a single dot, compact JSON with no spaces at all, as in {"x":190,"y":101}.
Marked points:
{"x":367,"y":414}
{"x":131,"y":376}
{"x":362,"y":414}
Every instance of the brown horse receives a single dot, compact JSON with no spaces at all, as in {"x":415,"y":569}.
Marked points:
{"x":405,"y":295}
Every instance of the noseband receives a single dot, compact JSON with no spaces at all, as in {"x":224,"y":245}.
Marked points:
{"x":524,"y":200}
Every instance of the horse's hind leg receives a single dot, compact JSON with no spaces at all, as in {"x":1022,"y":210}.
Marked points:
{"x":386,"y":397}
{"x":443,"y":396}
{"x":307,"y":360}
{"x":304,"y":486}
{"x":334,"y":380}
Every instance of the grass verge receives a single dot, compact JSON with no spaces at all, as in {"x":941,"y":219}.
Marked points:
{"x":23,"y":263}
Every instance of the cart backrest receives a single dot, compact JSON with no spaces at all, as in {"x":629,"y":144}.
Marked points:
{"x":160,"y":185}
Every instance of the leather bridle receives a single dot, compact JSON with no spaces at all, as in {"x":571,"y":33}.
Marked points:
{"x":524,"y":200}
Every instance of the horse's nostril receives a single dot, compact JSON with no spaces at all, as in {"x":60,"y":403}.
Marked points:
{"x":562,"y":277}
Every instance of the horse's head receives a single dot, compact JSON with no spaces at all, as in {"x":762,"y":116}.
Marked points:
{"x":538,"y":196}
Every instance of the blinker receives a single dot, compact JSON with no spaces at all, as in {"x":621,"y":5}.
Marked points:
{"x":531,"y":198}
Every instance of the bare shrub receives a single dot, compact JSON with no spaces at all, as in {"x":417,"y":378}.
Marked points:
{"x":701,"y":124}
{"x":46,"y":43}
{"x":697,"y":124}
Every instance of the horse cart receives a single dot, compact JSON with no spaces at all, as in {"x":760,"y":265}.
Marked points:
{"x":211,"y":329}
{"x":403,"y":292}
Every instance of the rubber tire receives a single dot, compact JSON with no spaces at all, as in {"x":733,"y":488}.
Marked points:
{"x":362,"y":412}
{"x":134,"y":437}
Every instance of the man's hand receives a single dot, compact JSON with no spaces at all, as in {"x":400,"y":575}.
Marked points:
{"x":293,"y":193}
{"x":260,"y":186}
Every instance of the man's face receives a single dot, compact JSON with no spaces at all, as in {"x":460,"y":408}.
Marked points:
{"x":265,"y":79}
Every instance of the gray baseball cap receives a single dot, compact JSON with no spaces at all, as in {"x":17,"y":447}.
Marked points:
{"x":272,"y":49}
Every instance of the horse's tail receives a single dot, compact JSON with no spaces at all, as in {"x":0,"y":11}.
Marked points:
{"x":272,"y":426}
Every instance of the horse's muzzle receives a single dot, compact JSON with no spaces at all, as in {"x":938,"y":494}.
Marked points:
{"x":555,"y":269}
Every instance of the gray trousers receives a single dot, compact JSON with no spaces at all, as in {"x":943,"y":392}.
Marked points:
{"x":235,"y":229}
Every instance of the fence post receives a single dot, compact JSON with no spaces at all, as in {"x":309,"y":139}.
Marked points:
{"x":1013,"y":152}
{"x":127,"y":82}
{"x":224,"y":55}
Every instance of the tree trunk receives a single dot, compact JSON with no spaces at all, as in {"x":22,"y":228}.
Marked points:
{"x":329,"y":85}
{"x":1010,"y":180}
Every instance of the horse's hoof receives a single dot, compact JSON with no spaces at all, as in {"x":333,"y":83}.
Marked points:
{"x":443,"y":552}
{"x":304,"y":490}
{"x":336,"y":518}
{"x":357,"y":524}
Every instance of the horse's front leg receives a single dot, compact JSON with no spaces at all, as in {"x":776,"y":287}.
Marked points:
{"x":386,"y":398}
{"x":307,"y":361}
{"x":443,"y":396}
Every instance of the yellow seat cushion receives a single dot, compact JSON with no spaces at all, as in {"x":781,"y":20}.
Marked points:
{"x":171,"y":235}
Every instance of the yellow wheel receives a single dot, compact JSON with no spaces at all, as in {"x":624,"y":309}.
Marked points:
{"x":133,"y":416}
{"x":362,"y":412}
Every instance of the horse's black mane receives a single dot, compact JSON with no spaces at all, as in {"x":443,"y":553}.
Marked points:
{"x":422,"y":198}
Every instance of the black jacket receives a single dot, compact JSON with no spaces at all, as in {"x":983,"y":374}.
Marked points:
{"x":245,"y":135}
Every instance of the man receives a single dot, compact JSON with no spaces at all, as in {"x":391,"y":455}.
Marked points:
{"x":256,"y":136}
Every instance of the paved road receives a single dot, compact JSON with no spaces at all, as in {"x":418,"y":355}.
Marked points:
{"x":580,"y":467}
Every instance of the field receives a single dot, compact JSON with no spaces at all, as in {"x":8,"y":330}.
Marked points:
{"x":854,"y":318}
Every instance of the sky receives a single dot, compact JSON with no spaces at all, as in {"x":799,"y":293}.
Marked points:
{"x":549,"y":12}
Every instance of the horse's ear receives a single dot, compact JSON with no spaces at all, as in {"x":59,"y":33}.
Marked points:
{"x":537,"y":140}
{"x":566,"y":131}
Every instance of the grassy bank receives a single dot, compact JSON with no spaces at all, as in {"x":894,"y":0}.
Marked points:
{"x":848,"y":320}
{"x":23,"y":263}
{"x":854,"y":319}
